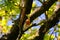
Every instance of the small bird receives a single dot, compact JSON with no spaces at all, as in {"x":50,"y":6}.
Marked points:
{"x":27,"y":23}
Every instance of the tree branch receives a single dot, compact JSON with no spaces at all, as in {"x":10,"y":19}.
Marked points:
{"x":25,"y":9}
{"x":30,"y":27}
{"x":18,"y":24}
{"x":52,"y":21}
{"x":41,"y":10}
{"x":15,"y":29}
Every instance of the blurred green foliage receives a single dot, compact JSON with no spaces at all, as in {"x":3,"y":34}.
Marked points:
{"x":10,"y":8}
